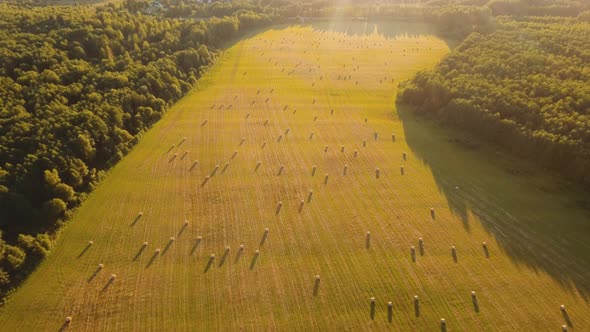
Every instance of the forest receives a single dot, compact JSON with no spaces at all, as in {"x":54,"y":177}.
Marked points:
{"x":524,"y":86}
{"x":78,"y":87}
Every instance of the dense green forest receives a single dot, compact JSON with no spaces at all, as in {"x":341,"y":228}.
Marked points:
{"x":78,"y":86}
{"x":526,"y":86}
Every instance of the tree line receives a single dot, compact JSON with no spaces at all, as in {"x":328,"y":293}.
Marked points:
{"x":524,"y":86}
{"x":78,"y":87}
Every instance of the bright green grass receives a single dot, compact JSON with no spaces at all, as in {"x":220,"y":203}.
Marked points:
{"x":535,"y":237}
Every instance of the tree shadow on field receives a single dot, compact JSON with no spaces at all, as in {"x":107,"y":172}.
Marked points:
{"x":533,"y":217}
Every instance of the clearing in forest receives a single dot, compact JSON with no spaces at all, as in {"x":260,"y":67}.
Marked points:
{"x":286,"y":192}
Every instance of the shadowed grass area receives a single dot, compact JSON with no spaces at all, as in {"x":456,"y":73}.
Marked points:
{"x":341,"y":88}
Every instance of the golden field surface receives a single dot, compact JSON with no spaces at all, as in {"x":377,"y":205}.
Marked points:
{"x":300,"y":121}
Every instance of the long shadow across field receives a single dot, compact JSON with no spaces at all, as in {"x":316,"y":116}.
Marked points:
{"x":536,"y":220}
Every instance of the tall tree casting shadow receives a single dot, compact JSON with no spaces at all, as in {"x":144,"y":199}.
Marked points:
{"x":531,"y":234}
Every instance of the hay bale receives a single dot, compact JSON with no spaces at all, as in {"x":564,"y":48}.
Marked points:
{"x":145,"y":244}
{"x":345,"y":169}
{"x":140,"y":214}
{"x":241,"y":247}
{"x":402,"y":170}
{"x":377,"y":172}
{"x":393,"y":137}
{"x":100,"y":266}
{"x":485,"y":249}
{"x":157,"y":251}
{"x":311,"y":136}
{"x":313,"y":169}
{"x":90,"y":243}
{"x":404,"y":156}
{"x":364,"y":143}
{"x":342,"y":149}
{"x":113,"y":276}
{"x":172,"y":239}
{"x":376,"y":135}
{"x":326,"y":148}
{"x":432,"y":214}
{"x":326,"y":179}
{"x":68,"y":320}
{"x":355,"y":153}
